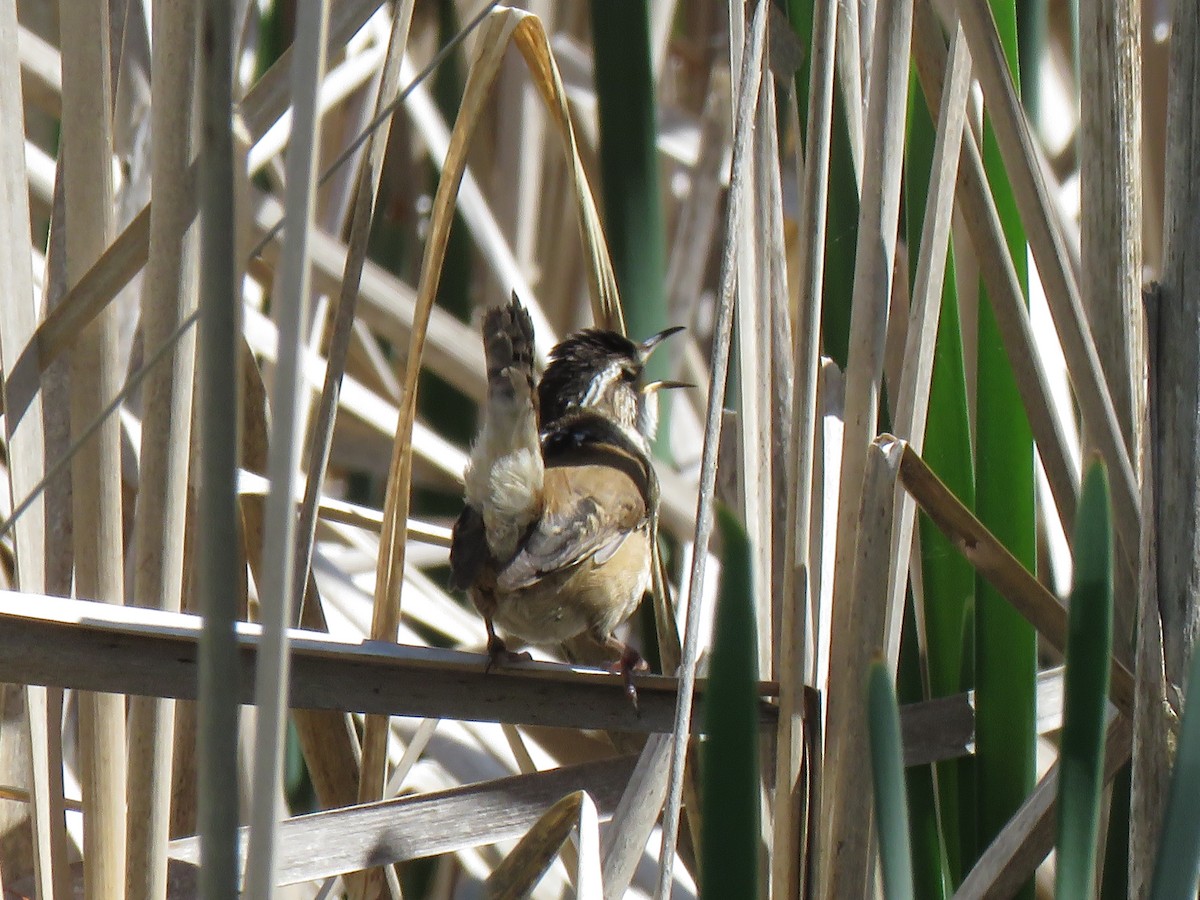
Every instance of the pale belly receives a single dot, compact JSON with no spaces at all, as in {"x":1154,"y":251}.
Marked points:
{"x":588,"y":597}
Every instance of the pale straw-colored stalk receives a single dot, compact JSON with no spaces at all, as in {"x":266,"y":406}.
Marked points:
{"x":169,"y":292}
{"x":367,"y":186}
{"x":291,"y":301}
{"x":96,"y":469}
{"x":874,"y":259}
{"x":749,"y":78}
{"x":1053,"y":264}
{"x":799,"y":607}
{"x":26,"y":446}
{"x":912,"y":391}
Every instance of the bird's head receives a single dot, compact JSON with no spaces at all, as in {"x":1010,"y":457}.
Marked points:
{"x":603,"y":371}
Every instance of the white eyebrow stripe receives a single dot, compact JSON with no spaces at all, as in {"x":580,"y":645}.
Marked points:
{"x":599,"y":383}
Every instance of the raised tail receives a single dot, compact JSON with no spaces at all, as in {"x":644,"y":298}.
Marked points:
{"x":508,"y":351}
{"x":505,"y":476}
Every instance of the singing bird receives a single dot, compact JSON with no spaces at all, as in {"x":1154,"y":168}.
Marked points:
{"x":554,"y":540}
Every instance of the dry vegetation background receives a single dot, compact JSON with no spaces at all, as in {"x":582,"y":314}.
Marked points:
{"x":246,"y":244}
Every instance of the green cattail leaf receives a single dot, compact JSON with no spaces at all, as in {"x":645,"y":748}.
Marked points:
{"x":928,"y":854}
{"x":887,"y":770}
{"x":1177,"y":869}
{"x":948,"y":579}
{"x":730,"y":843}
{"x":633,"y":211}
{"x":1006,"y":644}
{"x":841,"y":226}
{"x":1089,"y":655}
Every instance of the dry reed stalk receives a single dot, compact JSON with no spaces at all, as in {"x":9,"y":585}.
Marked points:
{"x":561,"y":264}
{"x":270,"y":97}
{"x":1149,"y":779}
{"x":160,"y":520}
{"x":753,"y":466}
{"x":1012,"y":858}
{"x":329,"y":673}
{"x":91,"y":294}
{"x":873,"y":269}
{"x":123,"y":258}
{"x":378,"y":414}
{"x":777,"y":322}
{"x":339,"y":84}
{"x":327,"y":737}
{"x":992,"y":560}
{"x":696,"y":235}
{"x":41,"y":73}
{"x":366,"y":189}
{"x":1177,"y":393}
{"x":96,"y":469}
{"x":182,"y":804}
{"x":443,"y":821}
{"x":1054,"y":268}
{"x":219,"y":571}
{"x":635,"y":816}
{"x":528,"y":861}
{"x":1154,"y":65}
{"x":516,"y":174}
{"x":1111,"y":205}
{"x":974,"y":201}
{"x":385,"y":304}
{"x":328,"y":740}
{"x":912,"y":391}
{"x":788,"y":850}
{"x":531,"y":39}
{"x":47,"y":746}
{"x":25,"y":445}
{"x":291,"y":299}
{"x":1112,"y":228}
{"x":1110,"y":270}
{"x":877,"y":224}
{"x":851,"y":69}
{"x":787,"y":649}
{"x":860,"y":634}
{"x":749,"y":79}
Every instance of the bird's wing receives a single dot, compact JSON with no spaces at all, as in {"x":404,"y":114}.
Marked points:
{"x":468,"y":549}
{"x":593,"y":516}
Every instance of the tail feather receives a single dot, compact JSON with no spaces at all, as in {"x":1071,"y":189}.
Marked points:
{"x":508,"y":346}
{"x":505,"y":476}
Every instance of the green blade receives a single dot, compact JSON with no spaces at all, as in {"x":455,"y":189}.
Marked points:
{"x":633,"y":215}
{"x":1006,"y":645}
{"x":841,"y":225}
{"x":949,"y":580}
{"x":887,"y":771}
{"x":730,"y":843}
{"x":1089,"y":654}
{"x":928,"y":853}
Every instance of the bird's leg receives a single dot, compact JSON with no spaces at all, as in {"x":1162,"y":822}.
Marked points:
{"x":628,"y":662}
{"x":498,"y":654}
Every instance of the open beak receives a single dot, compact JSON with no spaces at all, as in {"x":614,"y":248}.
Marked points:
{"x":649,"y":344}
{"x":664,"y":385}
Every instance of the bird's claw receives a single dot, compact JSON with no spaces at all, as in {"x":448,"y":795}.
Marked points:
{"x":630,"y":663}
{"x":500,"y":655}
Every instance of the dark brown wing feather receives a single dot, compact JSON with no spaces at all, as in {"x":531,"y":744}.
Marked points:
{"x":468,"y":549}
{"x":595,"y":508}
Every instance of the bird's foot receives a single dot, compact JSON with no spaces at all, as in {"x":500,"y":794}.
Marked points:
{"x":630,"y":663}
{"x":500,"y":655}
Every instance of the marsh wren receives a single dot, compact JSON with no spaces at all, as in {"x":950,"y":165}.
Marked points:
{"x":554,"y":542}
